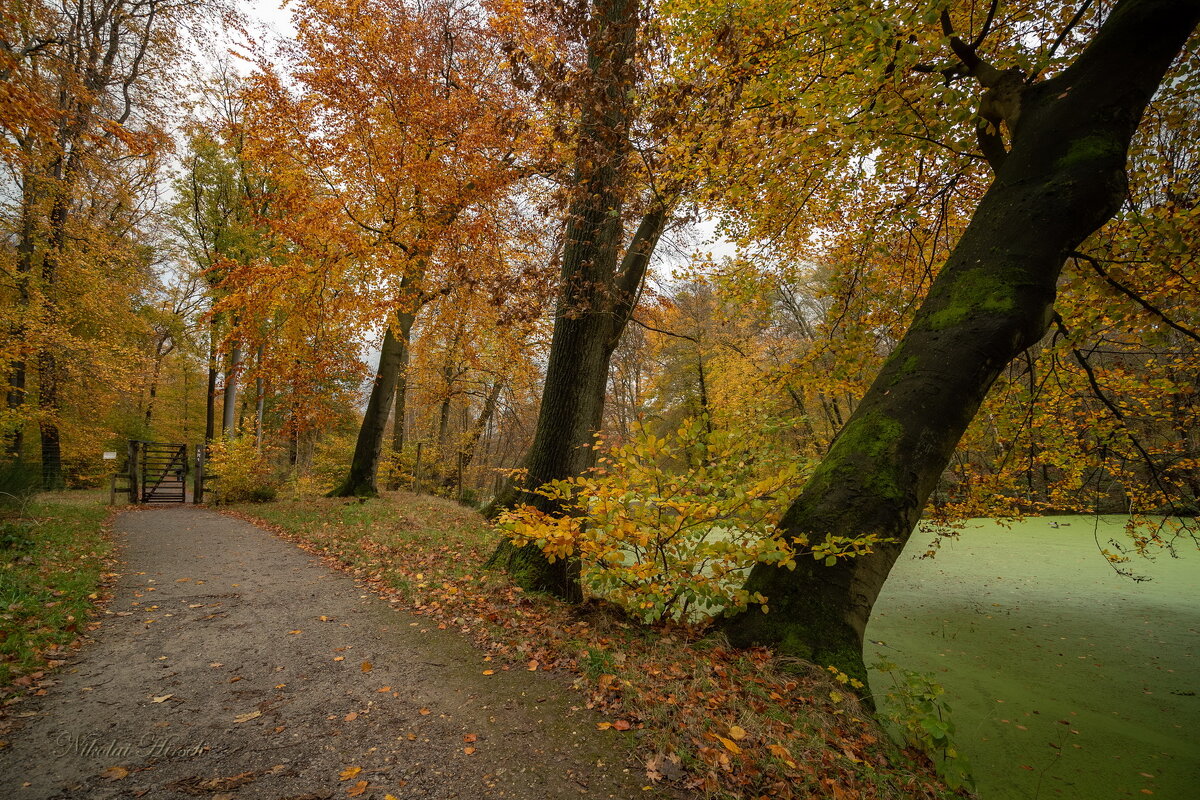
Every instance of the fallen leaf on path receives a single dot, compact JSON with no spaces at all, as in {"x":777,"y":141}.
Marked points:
{"x":489,"y":672}
{"x":339,"y":658}
{"x":295,"y":632}
{"x":384,"y":689}
{"x":353,"y":715}
{"x":357,"y":789}
{"x":280,"y":685}
{"x":424,"y":712}
{"x":348,"y":773}
{"x":162,"y":698}
{"x":533,"y":665}
{"x":469,"y":737}
{"x":324,"y":618}
{"x":367,"y":666}
{"x":468,"y":750}
{"x":247,"y":717}
{"x":114,"y":773}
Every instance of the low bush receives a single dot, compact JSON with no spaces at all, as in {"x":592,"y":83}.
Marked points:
{"x":243,"y":473}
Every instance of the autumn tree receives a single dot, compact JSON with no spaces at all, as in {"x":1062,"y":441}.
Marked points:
{"x":602,"y":270}
{"x":82,"y":132}
{"x":402,"y":115}
{"x":1058,"y":147}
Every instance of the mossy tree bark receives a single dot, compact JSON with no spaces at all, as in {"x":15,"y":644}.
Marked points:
{"x":1063,"y":177}
{"x":597,"y":290}
{"x":364,"y":465}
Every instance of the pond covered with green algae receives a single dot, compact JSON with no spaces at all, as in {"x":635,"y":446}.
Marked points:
{"x":1029,"y":625}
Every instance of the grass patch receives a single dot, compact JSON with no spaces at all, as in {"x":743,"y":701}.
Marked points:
{"x":52,"y":564}
{"x":729,"y":723}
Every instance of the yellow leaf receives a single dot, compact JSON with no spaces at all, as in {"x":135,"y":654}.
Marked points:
{"x":729,"y":744}
{"x":115,"y":773}
{"x":384,"y":689}
{"x":357,"y":789}
{"x":737,"y":733}
{"x":348,"y":773}
{"x":353,"y":715}
{"x":162,"y":698}
{"x":489,"y":672}
{"x":367,"y":666}
{"x":247,"y":717}
{"x":295,"y":632}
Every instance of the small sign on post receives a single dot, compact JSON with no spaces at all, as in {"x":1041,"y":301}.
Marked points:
{"x":110,"y":455}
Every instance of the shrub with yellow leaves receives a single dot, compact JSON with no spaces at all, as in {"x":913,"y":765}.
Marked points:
{"x":243,"y":472}
{"x":668,"y":526}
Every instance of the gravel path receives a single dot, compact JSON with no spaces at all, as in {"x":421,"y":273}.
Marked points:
{"x":232,"y":665}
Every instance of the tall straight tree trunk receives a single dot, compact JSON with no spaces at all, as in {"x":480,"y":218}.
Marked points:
{"x":26,"y":247}
{"x":1063,"y":178}
{"x":210,"y":403}
{"x":364,"y":465}
{"x":229,"y":425}
{"x":260,"y":400}
{"x":597,"y":292}
{"x":47,"y":360}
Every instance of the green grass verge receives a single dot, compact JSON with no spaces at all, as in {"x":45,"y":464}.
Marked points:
{"x":52,"y":564}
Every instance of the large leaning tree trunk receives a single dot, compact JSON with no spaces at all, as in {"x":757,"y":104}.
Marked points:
{"x":1063,"y":177}
{"x":597,"y":290}
{"x":364,"y":465}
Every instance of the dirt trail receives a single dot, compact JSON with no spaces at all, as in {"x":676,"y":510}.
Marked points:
{"x":233,"y":665}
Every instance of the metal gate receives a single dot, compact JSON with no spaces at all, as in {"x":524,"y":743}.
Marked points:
{"x":164,"y":467}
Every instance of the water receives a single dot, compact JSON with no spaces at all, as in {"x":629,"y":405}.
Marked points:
{"x":1028,"y":626}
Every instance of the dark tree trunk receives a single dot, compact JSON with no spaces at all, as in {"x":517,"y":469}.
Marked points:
{"x":364,"y":465}
{"x":596,"y":294}
{"x":1063,"y":178}
{"x":26,"y":247}
{"x":47,"y":362}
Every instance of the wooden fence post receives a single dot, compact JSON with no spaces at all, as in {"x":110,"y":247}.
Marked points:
{"x":198,"y":478}
{"x":134,"y":496}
